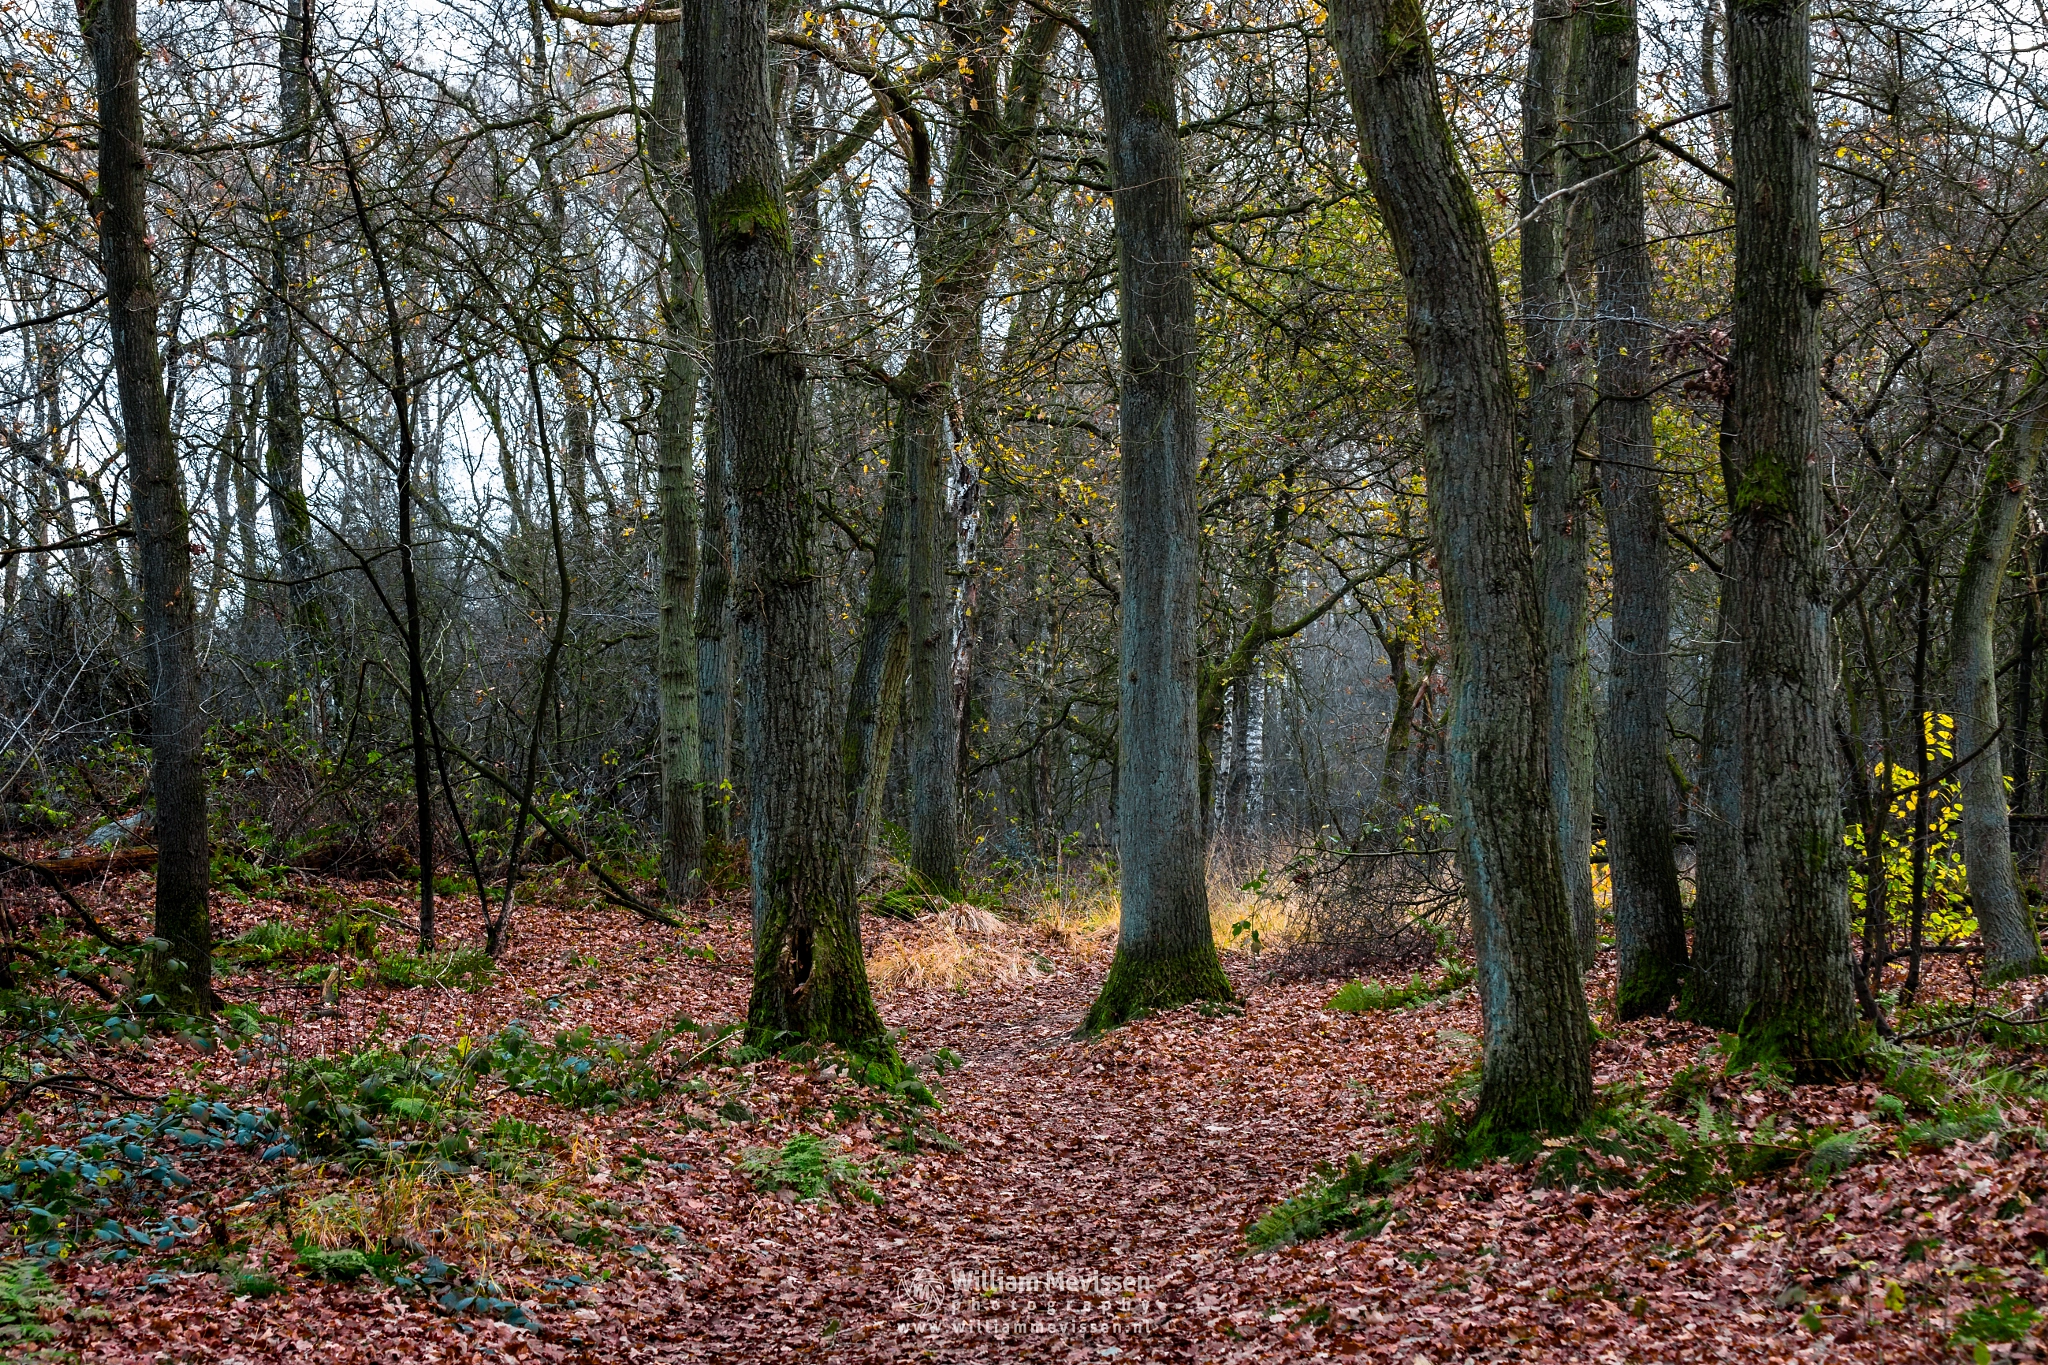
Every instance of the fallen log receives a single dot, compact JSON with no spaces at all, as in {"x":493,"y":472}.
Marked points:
{"x":86,"y":865}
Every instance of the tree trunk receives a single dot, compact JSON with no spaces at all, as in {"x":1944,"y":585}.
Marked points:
{"x":714,"y":639}
{"x":932,"y":533}
{"x":1649,"y":918}
{"x":874,"y":702}
{"x":180,"y":975}
{"x":810,"y":978}
{"x":1781,"y":880}
{"x":1537,"y":1070}
{"x":682,"y":804}
{"x":1560,"y":513}
{"x":909,"y":625}
{"x":1166,"y":952}
{"x":1237,"y":773}
{"x":2011,"y":947}
{"x":1400,"y":723}
{"x":291,"y":521}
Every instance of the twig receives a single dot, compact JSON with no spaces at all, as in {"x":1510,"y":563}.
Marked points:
{"x":615,"y":892}
{"x":9,"y":861}
{"x":17,"y":1091}
{"x":2015,"y":1019}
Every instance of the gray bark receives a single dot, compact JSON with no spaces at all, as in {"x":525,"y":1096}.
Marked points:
{"x":2011,"y":946}
{"x":810,"y":978}
{"x":181,"y":974}
{"x":1537,"y":1070}
{"x":1166,"y":952}
{"x":1560,"y":521}
{"x":1649,"y":917}
{"x":682,"y":804}
{"x":1772,"y":946}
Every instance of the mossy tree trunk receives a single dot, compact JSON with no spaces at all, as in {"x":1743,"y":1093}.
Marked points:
{"x":1772,"y":952}
{"x":1166,"y":952}
{"x":810,"y":979}
{"x":1537,"y":1070}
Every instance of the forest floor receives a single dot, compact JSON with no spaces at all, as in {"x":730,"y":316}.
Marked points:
{"x":1065,"y":1199}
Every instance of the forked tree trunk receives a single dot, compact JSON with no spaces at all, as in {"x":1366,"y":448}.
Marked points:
{"x":1772,"y":951}
{"x":1537,"y":1070}
{"x":2011,"y":946}
{"x":180,"y":974}
{"x":682,"y":805}
{"x":1165,"y":952}
{"x":810,"y":979}
{"x":1560,"y":513}
{"x":1649,"y":918}
{"x":908,"y":627}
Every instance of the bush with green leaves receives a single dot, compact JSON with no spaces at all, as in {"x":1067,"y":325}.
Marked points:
{"x":807,"y":1167}
{"x":421,"y":1098}
{"x":107,"y":1190}
{"x":579,"y":1068}
{"x":1349,"y":1198}
{"x":269,"y":942}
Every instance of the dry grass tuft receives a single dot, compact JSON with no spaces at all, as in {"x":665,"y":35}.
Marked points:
{"x":957,"y":948}
{"x":480,"y":1220}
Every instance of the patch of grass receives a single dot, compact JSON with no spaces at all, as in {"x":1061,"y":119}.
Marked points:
{"x":471,"y":969}
{"x":805,"y":1166}
{"x":1350,"y":1198}
{"x":1366,"y":997}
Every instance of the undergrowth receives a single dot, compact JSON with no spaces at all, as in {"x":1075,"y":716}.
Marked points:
{"x":807,"y":1168}
{"x":1364,"y":997}
{"x":1350,"y":1198}
{"x":1690,"y":1143}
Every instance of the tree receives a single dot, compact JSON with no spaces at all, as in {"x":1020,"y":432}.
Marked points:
{"x":1560,"y":521}
{"x":1165,"y":951}
{"x":676,"y":652}
{"x":1649,"y":918}
{"x":291,"y":520}
{"x":2011,"y":946}
{"x":810,"y":978}
{"x":1772,"y":948}
{"x":1537,"y":1070}
{"x":180,"y":972}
